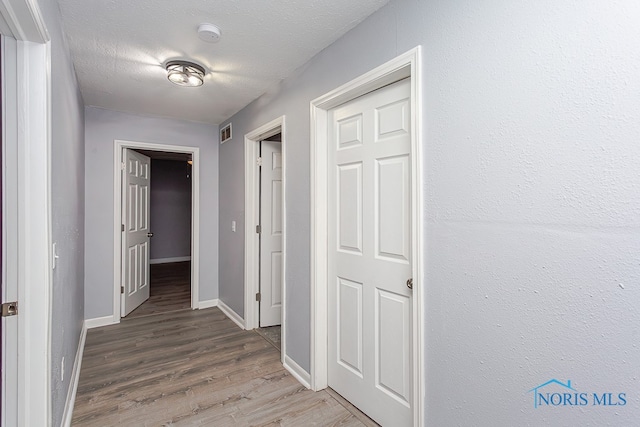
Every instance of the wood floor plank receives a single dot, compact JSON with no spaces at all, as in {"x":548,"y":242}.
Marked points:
{"x":170,"y":289}
{"x":193,"y":368}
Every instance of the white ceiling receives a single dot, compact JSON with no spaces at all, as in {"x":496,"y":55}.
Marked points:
{"x":119,"y":48}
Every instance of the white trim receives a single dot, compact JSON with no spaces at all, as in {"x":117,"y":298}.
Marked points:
{"x":319,"y":244}
{"x":283,"y":320}
{"x":251,"y":238}
{"x":32,"y":104}
{"x":118,"y":147}
{"x":208,"y":304}
{"x":98,"y":322}
{"x":296,"y":370}
{"x":169,"y":260}
{"x":24,"y":19}
{"x":237,"y":319}
{"x":405,"y":65}
{"x":34,"y":234}
{"x":252,"y":218}
{"x":75,"y":377}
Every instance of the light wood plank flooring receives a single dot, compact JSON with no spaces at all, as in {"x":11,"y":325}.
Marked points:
{"x":170,"y":289}
{"x":271,"y":334}
{"x":195,"y":368}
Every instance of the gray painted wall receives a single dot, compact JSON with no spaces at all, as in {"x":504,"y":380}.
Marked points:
{"x":102,"y":127}
{"x":531,"y":117}
{"x":67,"y":210}
{"x":170,"y":202}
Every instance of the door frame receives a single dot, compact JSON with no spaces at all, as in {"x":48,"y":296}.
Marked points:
{"x":252,"y":218}
{"x":403,"y":66}
{"x":28,"y":183}
{"x":119,"y":146}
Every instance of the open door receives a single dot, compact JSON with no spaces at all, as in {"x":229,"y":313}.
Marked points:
{"x":135,"y":228}
{"x":271,"y":234}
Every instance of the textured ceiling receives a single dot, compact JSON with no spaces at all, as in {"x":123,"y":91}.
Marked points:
{"x":119,"y":48}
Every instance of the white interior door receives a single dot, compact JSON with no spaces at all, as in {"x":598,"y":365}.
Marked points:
{"x":136,"y":233}
{"x":271,"y":234}
{"x":369,"y":263}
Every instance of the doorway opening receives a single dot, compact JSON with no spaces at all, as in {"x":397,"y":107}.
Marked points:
{"x":170,"y":226}
{"x":270,"y":240}
{"x":265,"y":232}
{"x":171,"y":258}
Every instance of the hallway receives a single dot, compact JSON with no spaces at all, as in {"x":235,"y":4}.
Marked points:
{"x":191,"y":368}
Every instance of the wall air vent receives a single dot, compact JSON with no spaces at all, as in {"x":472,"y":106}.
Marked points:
{"x":225,"y":133}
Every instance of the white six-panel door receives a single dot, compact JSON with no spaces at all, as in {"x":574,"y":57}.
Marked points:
{"x":369,"y":253}
{"x":135,"y":217}
{"x":271,"y":234}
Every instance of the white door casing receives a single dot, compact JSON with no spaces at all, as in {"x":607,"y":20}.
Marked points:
{"x":27,"y":194}
{"x":252,"y":242}
{"x":119,"y":147}
{"x":271,"y":234}
{"x":252,"y":218}
{"x":408,"y":64}
{"x":370,"y":253}
{"x":135,"y":218}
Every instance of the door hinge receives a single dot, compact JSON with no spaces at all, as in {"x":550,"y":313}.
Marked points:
{"x":122,"y":166}
{"x":9,"y":309}
{"x":121,"y":227}
{"x":259,"y":162}
{"x":258,"y":229}
{"x":258,"y":297}
{"x":122,"y":289}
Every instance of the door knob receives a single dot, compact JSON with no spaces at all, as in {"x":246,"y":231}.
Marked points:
{"x":410,"y":283}
{"x":149,"y":234}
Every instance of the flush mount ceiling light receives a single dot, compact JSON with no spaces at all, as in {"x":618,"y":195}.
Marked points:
{"x":185,"y":73}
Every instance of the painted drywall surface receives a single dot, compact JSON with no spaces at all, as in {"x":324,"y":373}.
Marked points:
{"x":170,"y":202}
{"x":532,"y":200}
{"x":531,"y":112}
{"x":231,"y":274}
{"x":67,"y":211}
{"x":291,"y":99}
{"x":102,"y":127}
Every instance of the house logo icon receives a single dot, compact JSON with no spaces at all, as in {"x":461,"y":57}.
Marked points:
{"x":539,"y":397}
{"x":559,"y":394}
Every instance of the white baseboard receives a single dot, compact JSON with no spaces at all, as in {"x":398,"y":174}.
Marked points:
{"x":75,"y":377}
{"x":231,"y":314}
{"x":300,"y":374}
{"x":99,"y":321}
{"x":168,"y":260}
{"x":207,"y":304}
